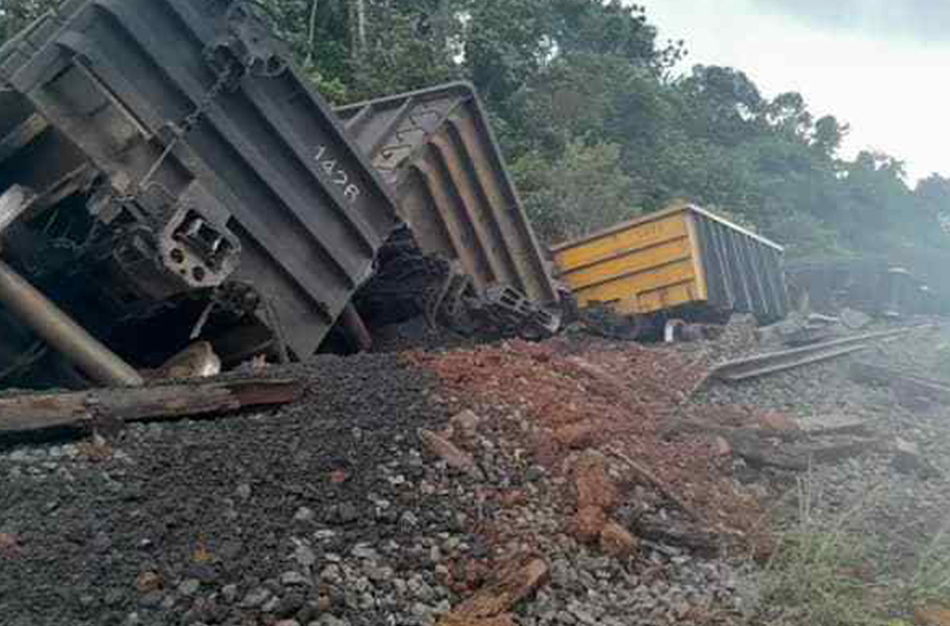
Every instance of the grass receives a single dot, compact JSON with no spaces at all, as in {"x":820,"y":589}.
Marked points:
{"x":816,"y":575}
{"x":929,"y":582}
{"x":819,"y":573}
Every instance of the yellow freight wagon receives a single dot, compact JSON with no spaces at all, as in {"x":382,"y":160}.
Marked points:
{"x":679,"y":259}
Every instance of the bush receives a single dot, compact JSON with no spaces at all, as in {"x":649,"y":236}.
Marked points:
{"x":581,"y":192}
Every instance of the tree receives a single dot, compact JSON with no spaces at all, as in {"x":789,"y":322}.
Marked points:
{"x":583,"y":191}
{"x":725,"y":106}
{"x":828,"y":135}
{"x":15,"y":16}
{"x":932,"y":195}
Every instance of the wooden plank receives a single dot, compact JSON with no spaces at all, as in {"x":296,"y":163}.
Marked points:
{"x":669,"y":532}
{"x":46,"y":410}
{"x":760,"y":447}
{"x":677,"y":425}
{"x":514,"y":582}
{"x":643,"y":475}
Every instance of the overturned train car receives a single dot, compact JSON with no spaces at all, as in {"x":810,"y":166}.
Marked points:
{"x":168,"y":175}
{"x":464,"y":219}
{"x":679,"y":262}
{"x":875,"y":285}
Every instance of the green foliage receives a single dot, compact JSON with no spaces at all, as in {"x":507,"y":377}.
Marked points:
{"x":814,"y":576}
{"x":384,"y":67}
{"x":827,"y":568}
{"x":929,"y":582}
{"x":581,"y":192}
{"x":18,"y":14}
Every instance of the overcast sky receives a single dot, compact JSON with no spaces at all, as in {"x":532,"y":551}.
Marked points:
{"x":883,"y":66}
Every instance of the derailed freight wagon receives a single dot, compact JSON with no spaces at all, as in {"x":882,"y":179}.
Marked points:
{"x":167,"y":175}
{"x":435,"y":147}
{"x":679,"y":262}
{"x":875,"y":285}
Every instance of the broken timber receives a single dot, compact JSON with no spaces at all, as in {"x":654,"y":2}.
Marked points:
{"x":48,"y":410}
{"x":514,"y":582}
{"x":646,"y":476}
{"x":759,"y":447}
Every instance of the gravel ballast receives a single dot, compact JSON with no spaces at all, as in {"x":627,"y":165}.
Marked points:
{"x":399,"y":485}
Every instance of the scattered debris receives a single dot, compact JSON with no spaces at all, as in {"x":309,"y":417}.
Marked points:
{"x":777,"y":422}
{"x":452,"y":455}
{"x":196,"y":361}
{"x":593,"y":484}
{"x":776,"y":441}
{"x":854,"y":319}
{"x":909,"y":460}
{"x":588,"y":523}
{"x":641,"y":474}
{"x":933,"y":615}
{"x":594,"y":416}
{"x":617,"y":541}
{"x":9,"y":546}
{"x":517,"y":580}
{"x":148,"y":581}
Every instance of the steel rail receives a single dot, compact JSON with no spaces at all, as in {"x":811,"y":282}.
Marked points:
{"x":763,"y":364}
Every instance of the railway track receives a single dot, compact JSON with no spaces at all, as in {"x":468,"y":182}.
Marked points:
{"x":773,"y":362}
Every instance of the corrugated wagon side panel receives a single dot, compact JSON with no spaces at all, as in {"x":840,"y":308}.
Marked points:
{"x":515,"y":244}
{"x":743,"y":273}
{"x":437,"y":149}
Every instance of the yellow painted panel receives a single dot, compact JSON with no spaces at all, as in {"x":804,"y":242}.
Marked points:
{"x":629,"y":263}
{"x":636,"y":237}
{"x":702,"y":288}
{"x":663,"y":298}
{"x":667,"y":297}
{"x":631,"y":286}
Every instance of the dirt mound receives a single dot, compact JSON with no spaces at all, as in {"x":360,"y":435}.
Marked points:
{"x":611,"y":398}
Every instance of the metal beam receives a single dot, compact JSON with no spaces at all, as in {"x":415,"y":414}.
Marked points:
{"x":51,"y":323}
{"x":55,"y":327}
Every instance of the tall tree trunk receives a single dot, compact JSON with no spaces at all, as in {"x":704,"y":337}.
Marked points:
{"x":312,"y":32}
{"x":359,"y":43}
